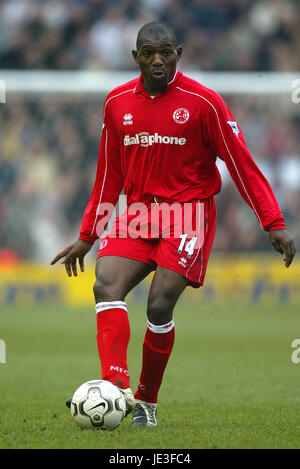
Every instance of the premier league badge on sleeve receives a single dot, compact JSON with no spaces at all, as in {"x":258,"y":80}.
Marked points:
{"x":234,"y":127}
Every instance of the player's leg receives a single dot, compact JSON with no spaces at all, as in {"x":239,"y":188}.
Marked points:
{"x":181,"y":261}
{"x":115,"y":278}
{"x":165,"y":290}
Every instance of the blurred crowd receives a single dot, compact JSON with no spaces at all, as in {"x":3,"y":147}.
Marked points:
{"x":48,"y":157}
{"x":98,"y":34}
{"x":49,"y":147}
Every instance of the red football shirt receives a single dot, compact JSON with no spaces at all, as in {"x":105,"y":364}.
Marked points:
{"x":166,"y":147}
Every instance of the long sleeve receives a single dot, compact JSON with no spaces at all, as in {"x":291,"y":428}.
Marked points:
{"x":227,"y":141}
{"x":107,"y":186}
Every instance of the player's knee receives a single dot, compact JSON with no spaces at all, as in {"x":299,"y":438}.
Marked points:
{"x":104,"y":291}
{"x":160,"y":308}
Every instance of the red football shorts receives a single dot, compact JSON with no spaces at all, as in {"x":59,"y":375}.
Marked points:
{"x":176,"y":236}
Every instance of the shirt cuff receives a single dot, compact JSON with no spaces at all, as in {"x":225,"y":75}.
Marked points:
{"x":88,"y":239}
{"x":276,"y":225}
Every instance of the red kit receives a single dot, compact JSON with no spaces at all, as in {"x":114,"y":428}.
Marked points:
{"x":164,"y":149}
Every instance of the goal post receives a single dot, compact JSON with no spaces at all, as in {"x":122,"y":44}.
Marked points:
{"x":33,"y":83}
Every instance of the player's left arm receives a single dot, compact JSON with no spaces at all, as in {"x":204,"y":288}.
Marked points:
{"x":227,"y":141}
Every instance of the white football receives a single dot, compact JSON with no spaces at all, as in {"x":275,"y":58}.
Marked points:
{"x":98,"y":404}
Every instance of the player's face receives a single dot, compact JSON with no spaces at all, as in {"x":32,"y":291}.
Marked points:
{"x":157,"y":60}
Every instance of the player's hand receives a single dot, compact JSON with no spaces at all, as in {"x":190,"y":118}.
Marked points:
{"x":284,"y":243}
{"x":73,"y":252}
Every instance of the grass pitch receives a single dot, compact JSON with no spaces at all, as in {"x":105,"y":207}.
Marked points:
{"x":230,"y":382}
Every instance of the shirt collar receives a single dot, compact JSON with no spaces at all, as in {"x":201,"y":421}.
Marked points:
{"x":140,"y":85}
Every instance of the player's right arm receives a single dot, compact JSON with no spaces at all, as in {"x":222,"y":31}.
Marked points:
{"x":227,"y":141}
{"x":107,"y":187}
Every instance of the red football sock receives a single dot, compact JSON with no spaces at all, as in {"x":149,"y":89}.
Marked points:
{"x":158,"y":344}
{"x":112,"y":340}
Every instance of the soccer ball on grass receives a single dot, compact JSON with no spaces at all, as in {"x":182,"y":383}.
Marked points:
{"x":98,"y":404}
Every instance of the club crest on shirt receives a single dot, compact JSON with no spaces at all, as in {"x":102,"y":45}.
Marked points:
{"x":234,"y":127}
{"x":181,"y":115}
{"x":127,"y":119}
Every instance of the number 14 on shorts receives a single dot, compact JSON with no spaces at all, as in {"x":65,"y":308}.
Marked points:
{"x":187,"y":246}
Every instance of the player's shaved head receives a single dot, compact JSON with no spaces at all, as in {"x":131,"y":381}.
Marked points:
{"x":156,"y":31}
{"x":157,"y":55}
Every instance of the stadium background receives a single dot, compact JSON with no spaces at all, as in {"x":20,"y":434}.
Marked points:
{"x":49,"y":143}
{"x":239,"y":387}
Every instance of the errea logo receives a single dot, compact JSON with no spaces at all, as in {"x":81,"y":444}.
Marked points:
{"x":144,"y":139}
{"x":127,"y":119}
{"x":182,"y":261}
